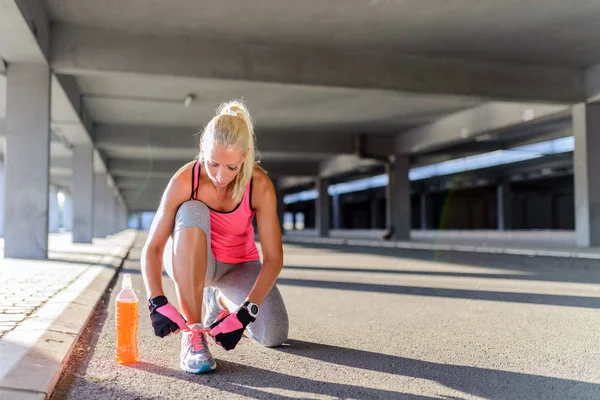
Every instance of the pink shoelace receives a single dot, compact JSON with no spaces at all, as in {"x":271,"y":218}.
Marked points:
{"x":222,"y":314}
{"x":195,"y":338}
{"x":197,"y":334}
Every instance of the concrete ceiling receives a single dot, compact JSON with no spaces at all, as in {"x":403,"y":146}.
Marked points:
{"x":551,"y":32}
{"x":324,"y":81}
{"x":146,"y":100}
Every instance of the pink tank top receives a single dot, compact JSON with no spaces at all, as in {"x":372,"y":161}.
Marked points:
{"x":231,"y":232}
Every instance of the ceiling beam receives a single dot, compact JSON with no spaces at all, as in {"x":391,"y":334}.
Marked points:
{"x":147,"y":169}
{"x":137,"y":183}
{"x":475,"y":148}
{"x":136,"y":203}
{"x":181,"y":142}
{"x":70,"y":87}
{"x":84,"y":51}
{"x":346,"y":165}
{"x":161,"y":169}
{"x":24,"y":32}
{"x":122,"y":137}
{"x":492,"y":175}
{"x":467,"y":125}
{"x":592,"y":83}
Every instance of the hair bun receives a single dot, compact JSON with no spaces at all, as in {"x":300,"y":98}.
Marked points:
{"x":235,"y":108}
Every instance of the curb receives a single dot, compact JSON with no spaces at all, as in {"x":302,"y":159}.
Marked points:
{"x":36,"y":374}
{"x":531,"y":252}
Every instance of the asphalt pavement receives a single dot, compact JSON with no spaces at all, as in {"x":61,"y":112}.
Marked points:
{"x":372,"y":323}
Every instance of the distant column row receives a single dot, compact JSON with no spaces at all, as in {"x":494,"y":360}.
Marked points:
{"x":29,"y":203}
{"x":586,"y":129}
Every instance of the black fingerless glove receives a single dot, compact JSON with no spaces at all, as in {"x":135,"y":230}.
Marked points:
{"x":165,"y":317}
{"x":229,"y":330}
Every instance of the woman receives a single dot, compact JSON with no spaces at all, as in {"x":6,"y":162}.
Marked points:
{"x":203,"y":234}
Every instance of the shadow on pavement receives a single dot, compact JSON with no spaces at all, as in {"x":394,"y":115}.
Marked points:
{"x":481,"y":382}
{"x":537,"y":277}
{"x":513,"y":297}
{"x":552,"y":269}
{"x":245,"y":380}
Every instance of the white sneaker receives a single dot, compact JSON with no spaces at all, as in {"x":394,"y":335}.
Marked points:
{"x":195,"y":356}
{"x":213,"y":309}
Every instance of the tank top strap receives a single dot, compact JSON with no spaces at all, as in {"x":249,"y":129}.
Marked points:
{"x":195,"y":179}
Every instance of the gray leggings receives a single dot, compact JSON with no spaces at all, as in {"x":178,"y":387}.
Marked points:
{"x":234,"y":281}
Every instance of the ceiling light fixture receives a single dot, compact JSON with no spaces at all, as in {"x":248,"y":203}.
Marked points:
{"x":189,"y":99}
{"x":528,"y":114}
{"x":483,"y":138}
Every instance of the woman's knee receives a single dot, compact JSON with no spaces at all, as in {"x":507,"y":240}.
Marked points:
{"x":274,"y":336}
{"x":192,"y":213}
{"x":191,"y":240}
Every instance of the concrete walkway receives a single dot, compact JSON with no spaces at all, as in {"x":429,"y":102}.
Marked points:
{"x":371,"y":323}
{"x":44,"y":306}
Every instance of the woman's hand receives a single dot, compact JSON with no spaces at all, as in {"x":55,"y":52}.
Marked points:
{"x":165,"y":317}
{"x":228,"y":330}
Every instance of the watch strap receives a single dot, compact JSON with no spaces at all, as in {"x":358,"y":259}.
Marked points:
{"x":251,"y":307}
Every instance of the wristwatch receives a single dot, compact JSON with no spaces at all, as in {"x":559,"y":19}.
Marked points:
{"x":251,"y":307}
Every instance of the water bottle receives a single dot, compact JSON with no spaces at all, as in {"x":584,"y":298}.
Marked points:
{"x":126,"y":323}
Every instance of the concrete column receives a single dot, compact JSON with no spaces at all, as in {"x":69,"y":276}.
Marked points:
{"x":401,"y":220}
{"x":426,"y":211}
{"x":2,"y":198}
{"x":53,"y":213}
{"x":504,"y":210}
{"x":112,"y":200}
{"x":337,"y":216}
{"x":27,"y":161}
{"x":120,"y":216}
{"x":139,"y":221}
{"x":110,"y":210}
{"x":113,"y":210}
{"x":117,"y":213}
{"x":322,"y":208}
{"x":112,"y":217}
{"x":586,"y":129}
{"x":389,"y":195}
{"x":68,"y":213}
{"x":119,"y":222}
{"x":100,"y":208}
{"x":83,"y":193}
{"x":125,"y":217}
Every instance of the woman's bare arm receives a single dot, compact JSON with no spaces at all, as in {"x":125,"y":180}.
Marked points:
{"x":264,"y":200}
{"x":177,"y":192}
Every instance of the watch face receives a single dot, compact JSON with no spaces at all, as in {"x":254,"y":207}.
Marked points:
{"x":254,"y":309}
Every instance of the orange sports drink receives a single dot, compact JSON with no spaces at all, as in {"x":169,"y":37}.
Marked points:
{"x":126,"y":323}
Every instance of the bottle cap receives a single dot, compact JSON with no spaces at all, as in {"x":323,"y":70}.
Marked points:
{"x":126,"y":284}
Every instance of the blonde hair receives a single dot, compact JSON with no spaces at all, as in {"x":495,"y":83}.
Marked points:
{"x":232,"y":127}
